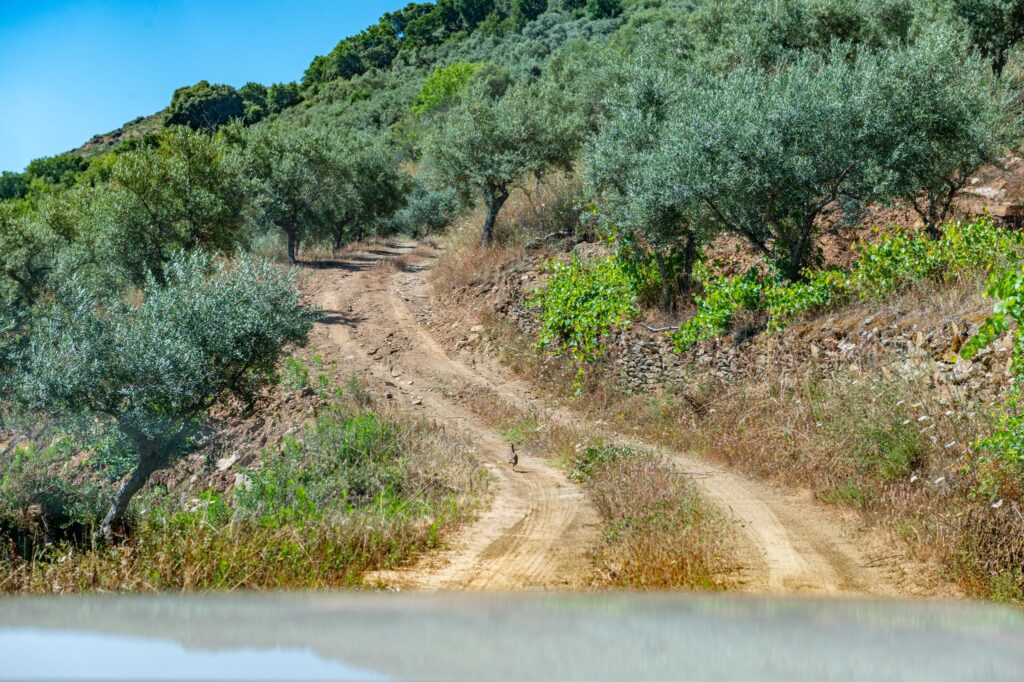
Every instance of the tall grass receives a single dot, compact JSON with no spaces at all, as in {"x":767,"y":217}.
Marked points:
{"x":660,"y":533}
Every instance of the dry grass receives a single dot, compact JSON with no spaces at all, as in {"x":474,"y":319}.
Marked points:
{"x":186,"y":554}
{"x":660,"y":533}
{"x":531,"y":214}
{"x":465,"y":263}
{"x":870,"y":433}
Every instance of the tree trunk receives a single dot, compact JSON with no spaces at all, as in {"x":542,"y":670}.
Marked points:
{"x":794,"y":267}
{"x":293,"y":244}
{"x":689,"y":261}
{"x":494,"y":204}
{"x":148,"y":463}
{"x":665,"y":276}
{"x":999,"y":63}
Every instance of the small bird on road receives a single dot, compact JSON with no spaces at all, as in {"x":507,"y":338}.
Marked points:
{"x":513,"y":458}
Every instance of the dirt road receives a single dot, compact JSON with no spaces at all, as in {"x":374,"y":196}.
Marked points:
{"x":540,"y":526}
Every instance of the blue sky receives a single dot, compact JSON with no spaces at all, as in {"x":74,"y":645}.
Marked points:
{"x":69,"y":70}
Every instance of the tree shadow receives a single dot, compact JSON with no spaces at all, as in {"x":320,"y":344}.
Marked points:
{"x":351,"y":264}
{"x":335,"y":318}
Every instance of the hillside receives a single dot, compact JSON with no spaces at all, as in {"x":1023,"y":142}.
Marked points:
{"x":570,"y":295}
{"x":104,"y":143}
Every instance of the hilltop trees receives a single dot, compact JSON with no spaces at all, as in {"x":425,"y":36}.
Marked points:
{"x":152,"y":371}
{"x":204,"y":106}
{"x":603,"y":9}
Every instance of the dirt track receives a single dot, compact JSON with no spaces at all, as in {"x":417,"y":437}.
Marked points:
{"x":539,"y":527}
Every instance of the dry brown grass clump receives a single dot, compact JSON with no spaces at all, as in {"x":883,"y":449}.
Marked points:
{"x":466,"y":264}
{"x":660,"y":533}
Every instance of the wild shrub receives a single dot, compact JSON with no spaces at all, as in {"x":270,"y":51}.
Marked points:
{"x":1003,"y":450}
{"x":660,"y":534}
{"x":44,"y":499}
{"x":356,"y":490}
{"x":882,"y":269}
{"x":721,"y":299}
{"x":582,"y":302}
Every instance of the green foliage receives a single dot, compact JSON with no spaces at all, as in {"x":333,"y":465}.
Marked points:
{"x":596,"y":457}
{"x":715,"y":309}
{"x":787,"y":144}
{"x":296,"y":374}
{"x":41,"y":479}
{"x":344,"y":462}
{"x":603,"y":9}
{"x":441,"y":88}
{"x":883,"y":268}
{"x":204,"y":106}
{"x":995,"y":27}
{"x":295,"y":171}
{"x":581,"y":303}
{"x":28,"y":248}
{"x":792,"y":300}
{"x":726,"y":34}
{"x":1005,"y":446}
{"x":153,"y":370}
{"x":281,"y":96}
{"x":525,"y":11}
{"x":629,"y":174}
{"x":13,"y":185}
{"x":56,"y":170}
{"x":206,"y":331}
{"x":485,"y":145}
{"x":901,"y":257}
{"x":426,"y":211}
{"x":183,"y":193}
{"x":366,"y":189}
{"x":940,"y":117}
{"x":254,"y":102}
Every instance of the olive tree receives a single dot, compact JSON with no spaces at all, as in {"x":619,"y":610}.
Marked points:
{"x":26,"y":255}
{"x":628,"y":175}
{"x":294,"y":171}
{"x":941,"y":115}
{"x":367,"y":189}
{"x":995,"y":27}
{"x":485,"y":145}
{"x":182,"y":193}
{"x":152,"y":370}
{"x":764,"y":155}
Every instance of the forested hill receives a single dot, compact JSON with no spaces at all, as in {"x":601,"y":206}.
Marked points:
{"x":373,"y":78}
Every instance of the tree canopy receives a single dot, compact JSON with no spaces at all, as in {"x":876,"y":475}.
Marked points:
{"x":153,"y":371}
{"x":204,"y":106}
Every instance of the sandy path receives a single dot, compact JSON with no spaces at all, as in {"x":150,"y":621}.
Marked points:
{"x":540,"y":526}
